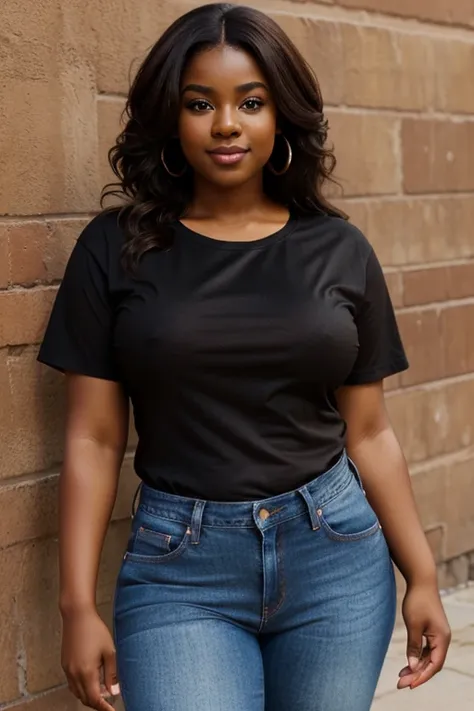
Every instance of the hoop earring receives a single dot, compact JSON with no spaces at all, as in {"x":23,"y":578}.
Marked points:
{"x":173,"y":175}
{"x":288,"y":160}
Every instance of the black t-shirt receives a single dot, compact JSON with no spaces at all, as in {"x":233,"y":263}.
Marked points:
{"x":230,"y":351}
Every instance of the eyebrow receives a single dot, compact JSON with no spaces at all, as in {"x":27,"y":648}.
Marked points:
{"x":241,"y":89}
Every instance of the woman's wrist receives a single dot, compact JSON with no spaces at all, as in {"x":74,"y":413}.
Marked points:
{"x":422,"y":576}
{"x":69,"y":606}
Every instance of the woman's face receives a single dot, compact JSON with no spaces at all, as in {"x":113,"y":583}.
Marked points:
{"x":228,"y":120}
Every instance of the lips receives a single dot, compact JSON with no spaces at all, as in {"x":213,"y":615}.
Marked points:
{"x":228,"y":150}
{"x":228,"y":155}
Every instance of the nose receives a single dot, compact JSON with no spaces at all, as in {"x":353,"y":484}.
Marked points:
{"x":226,"y":123}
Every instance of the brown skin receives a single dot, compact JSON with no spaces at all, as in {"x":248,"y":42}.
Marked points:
{"x":95,"y":443}
{"x":372,"y":445}
{"x":227,"y":200}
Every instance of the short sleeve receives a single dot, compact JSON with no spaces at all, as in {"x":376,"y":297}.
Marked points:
{"x":78,"y":336}
{"x":381,"y":351}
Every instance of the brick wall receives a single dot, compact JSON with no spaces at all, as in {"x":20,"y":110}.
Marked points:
{"x":397,"y":78}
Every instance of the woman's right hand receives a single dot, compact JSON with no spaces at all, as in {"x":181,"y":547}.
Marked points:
{"x":87,"y":650}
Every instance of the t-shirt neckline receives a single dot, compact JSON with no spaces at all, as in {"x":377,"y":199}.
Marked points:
{"x":260,"y":243}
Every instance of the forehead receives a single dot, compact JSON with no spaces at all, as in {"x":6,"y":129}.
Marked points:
{"x":222,"y":67}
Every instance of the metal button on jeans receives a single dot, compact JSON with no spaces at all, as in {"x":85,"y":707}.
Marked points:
{"x":264,"y":514}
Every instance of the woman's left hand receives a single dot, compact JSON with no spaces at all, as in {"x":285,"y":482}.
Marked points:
{"x":426,"y":625}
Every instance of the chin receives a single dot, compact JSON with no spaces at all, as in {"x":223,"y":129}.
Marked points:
{"x":231,"y":178}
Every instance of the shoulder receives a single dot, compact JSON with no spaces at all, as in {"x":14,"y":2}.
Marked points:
{"x":103,"y":237}
{"x":335,"y":235}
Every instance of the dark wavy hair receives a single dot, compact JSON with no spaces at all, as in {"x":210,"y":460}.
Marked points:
{"x":151,"y":200}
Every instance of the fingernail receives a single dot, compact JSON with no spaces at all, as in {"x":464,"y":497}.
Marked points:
{"x":115,"y":688}
{"x":413,"y":663}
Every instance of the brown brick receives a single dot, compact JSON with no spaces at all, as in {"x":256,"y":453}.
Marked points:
{"x":433,"y":421}
{"x":452,"y":67}
{"x":395,"y":286}
{"x":366,"y":150}
{"x":62,"y":236}
{"x":60,"y":700}
{"x":8,"y":654}
{"x":47,"y":128}
{"x":460,"y":12}
{"x":386,"y":69}
{"x":423,"y":286}
{"x":435,"y":155}
{"x":30,"y":507}
{"x":460,"y":511}
{"x":36,"y":591}
{"x":439,"y":342}
{"x":27,"y":245}
{"x":10,"y":642}
{"x":109,"y":124}
{"x":21,"y":20}
{"x":416,"y":230}
{"x":320,"y":44}
{"x":29,"y":510}
{"x":458,"y":339}
{"x":123,"y":35}
{"x":30,"y":603}
{"x":24,"y":315}
{"x":39,"y":616}
{"x":430,"y":489}
{"x":33,"y":163}
{"x":39,"y":250}
{"x":460,"y":281}
{"x":32,"y":414}
{"x":4,"y":258}
{"x":421,"y":334}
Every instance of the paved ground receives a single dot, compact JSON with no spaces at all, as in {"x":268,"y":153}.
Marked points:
{"x":453,"y":688}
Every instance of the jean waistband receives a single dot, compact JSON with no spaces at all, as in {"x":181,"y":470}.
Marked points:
{"x":246,"y":514}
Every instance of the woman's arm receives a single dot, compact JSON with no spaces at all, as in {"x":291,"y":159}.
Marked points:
{"x":373,"y":446}
{"x":95,"y":442}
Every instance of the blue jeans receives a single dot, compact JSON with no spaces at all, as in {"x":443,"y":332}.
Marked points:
{"x":284,"y":604}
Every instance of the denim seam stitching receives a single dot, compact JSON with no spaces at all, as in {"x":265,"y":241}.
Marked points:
{"x":341,"y":537}
{"x":322,"y":504}
{"x":155,"y":560}
{"x":273,"y":612}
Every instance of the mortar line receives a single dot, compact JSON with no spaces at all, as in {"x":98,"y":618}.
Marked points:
{"x":438,"y":460}
{"x":370,"y":18}
{"x":431,"y":385}
{"x":424,"y":114}
{"x":437,"y":305}
{"x":428,"y":266}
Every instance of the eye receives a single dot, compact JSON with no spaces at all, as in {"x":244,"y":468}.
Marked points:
{"x":253,"y":104}
{"x":199,"y":105}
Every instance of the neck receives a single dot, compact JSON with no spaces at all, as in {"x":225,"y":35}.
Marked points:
{"x":211,"y":201}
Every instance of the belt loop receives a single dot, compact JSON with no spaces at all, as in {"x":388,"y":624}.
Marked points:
{"x":196,"y":521}
{"x":134,"y":511}
{"x":311,"y":508}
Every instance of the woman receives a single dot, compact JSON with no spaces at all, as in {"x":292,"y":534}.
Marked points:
{"x":250,"y":326}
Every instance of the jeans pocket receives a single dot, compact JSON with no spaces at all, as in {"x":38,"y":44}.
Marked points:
{"x":349,"y":516}
{"x":156,"y":540}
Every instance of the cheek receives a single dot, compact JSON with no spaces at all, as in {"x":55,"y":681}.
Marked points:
{"x":193,"y":134}
{"x":261,"y":131}
{"x":263,"y":141}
